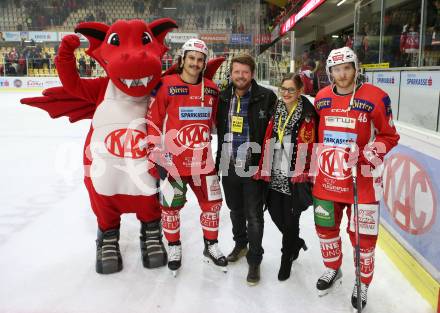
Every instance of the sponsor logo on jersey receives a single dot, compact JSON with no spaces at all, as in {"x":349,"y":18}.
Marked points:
{"x":191,"y":162}
{"x":332,"y":163}
{"x":340,"y":121}
{"x":194,"y":136}
{"x":323,"y":103}
{"x":178,"y":90}
{"x":126,"y":143}
{"x":211,"y":91}
{"x":338,"y":139}
{"x":194,"y":113}
{"x":362,"y":105}
{"x":339,"y":110}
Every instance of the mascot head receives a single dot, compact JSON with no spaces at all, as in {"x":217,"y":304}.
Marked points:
{"x":129,"y":51}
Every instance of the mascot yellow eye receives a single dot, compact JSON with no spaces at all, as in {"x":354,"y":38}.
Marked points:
{"x":113,"y":39}
{"x":146,"y":38}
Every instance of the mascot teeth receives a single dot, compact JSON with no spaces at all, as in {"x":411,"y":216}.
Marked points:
{"x":137,"y":82}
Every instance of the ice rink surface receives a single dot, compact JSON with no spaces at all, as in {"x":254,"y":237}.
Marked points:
{"x":48,"y":232}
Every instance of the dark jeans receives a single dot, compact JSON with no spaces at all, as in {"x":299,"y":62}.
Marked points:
{"x":245,"y":197}
{"x":286,"y":218}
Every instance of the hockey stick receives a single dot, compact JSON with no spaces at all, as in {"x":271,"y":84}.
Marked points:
{"x":357,"y":237}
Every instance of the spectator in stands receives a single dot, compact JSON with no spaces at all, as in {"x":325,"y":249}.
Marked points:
{"x":228,"y":22}
{"x":234,"y":24}
{"x":82,"y":66}
{"x":208,"y":21}
{"x":92,"y":64}
{"x":307,"y":72}
{"x":241,"y":28}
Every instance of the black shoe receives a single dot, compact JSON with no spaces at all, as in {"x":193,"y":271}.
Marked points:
{"x":253,"y":276}
{"x":285,"y":267}
{"x":364,"y":290}
{"x":212,"y":252}
{"x":152,"y":248}
{"x":108,"y":255}
{"x":237,"y":253}
{"x":327,"y":280}
{"x":302,"y":245}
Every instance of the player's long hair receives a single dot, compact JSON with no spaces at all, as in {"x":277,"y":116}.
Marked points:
{"x":179,"y":69}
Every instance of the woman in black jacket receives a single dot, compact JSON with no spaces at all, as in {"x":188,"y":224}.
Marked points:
{"x":284,"y":165}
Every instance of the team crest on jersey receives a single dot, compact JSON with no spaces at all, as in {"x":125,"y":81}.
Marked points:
{"x":387,"y":103}
{"x":194,"y":136}
{"x":323,"y":103}
{"x":211,"y":91}
{"x":362,"y":105}
{"x":332,"y":163}
{"x":178,"y":90}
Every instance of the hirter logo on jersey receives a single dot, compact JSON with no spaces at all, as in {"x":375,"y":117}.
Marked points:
{"x":211,"y":91}
{"x":362,"y":105}
{"x":332,"y":163}
{"x":194,"y":136}
{"x":178,"y":90}
{"x":323,"y":103}
{"x":126,"y":143}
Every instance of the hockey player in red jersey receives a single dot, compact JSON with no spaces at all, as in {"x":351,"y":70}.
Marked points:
{"x":182,"y":117}
{"x":349,"y":113}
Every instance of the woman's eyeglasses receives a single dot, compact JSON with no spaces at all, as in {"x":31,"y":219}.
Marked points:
{"x":289,"y":90}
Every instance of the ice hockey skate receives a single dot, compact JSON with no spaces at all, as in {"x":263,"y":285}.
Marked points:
{"x":331,"y":278}
{"x":213,"y":255}
{"x":364,"y":291}
{"x":174,"y":257}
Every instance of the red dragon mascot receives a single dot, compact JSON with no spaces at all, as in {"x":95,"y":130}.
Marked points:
{"x":117,"y":170}
{"x":115,"y":154}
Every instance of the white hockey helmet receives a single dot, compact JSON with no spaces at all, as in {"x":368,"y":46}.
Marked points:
{"x":195,"y":44}
{"x":341,"y":56}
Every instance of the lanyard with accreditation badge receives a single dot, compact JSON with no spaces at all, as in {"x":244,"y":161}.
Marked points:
{"x":237,"y":121}
{"x":280,"y":130}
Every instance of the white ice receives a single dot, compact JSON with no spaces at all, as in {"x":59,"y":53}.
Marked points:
{"x":47,"y":233}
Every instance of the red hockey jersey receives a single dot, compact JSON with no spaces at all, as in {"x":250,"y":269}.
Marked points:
{"x":370,"y":121}
{"x":181,"y":127}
